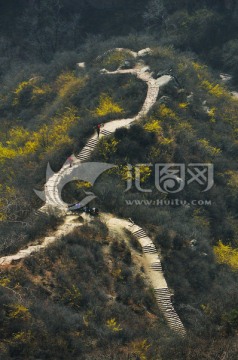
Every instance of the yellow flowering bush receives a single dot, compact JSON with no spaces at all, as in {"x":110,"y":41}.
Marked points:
{"x":72,"y":296}
{"x":22,"y":337}
{"x":166,"y":112}
{"x":29,"y":91}
{"x":166,"y":141}
{"x":225,"y":254}
{"x":233,"y":179}
{"x":18,"y":311}
{"x":116,"y":273}
{"x":214,"y":151}
{"x":183,"y":105}
{"x":40,"y":92}
{"x":198,"y":67}
{"x":17,"y":137}
{"x":153,"y":126}
{"x":206,"y":309}
{"x":67,"y":83}
{"x":113,"y":325}
{"x":21,"y":88}
{"x":143,"y":172}
{"x":107,"y":106}
{"x":140,"y":348}
{"x":212,"y":114}
{"x":5,"y":281}
{"x":215,"y":90}
{"x":22,"y":142}
{"x":83,"y":184}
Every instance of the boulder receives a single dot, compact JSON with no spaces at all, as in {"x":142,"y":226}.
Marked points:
{"x":81,"y":65}
{"x":145,"y":52}
{"x":164,"y":100}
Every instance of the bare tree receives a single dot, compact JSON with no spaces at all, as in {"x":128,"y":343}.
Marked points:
{"x":45,"y":28}
{"x":156,"y":14}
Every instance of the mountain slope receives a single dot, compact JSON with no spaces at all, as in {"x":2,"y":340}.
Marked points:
{"x":193,"y":121}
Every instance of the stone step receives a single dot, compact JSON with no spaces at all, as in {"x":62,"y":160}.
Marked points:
{"x":149,"y":247}
{"x":140,"y":233}
{"x":162,"y":290}
{"x":106,"y":132}
{"x":84,"y":157}
{"x":172,"y":319}
{"x":165,"y":302}
{"x":156,"y":266}
{"x":165,"y":307}
{"x":163,"y":295}
{"x":175,"y":325}
{"x":92,"y":142}
{"x":179,"y":327}
{"x":85,"y":151}
{"x":149,"y":251}
{"x":91,"y":145}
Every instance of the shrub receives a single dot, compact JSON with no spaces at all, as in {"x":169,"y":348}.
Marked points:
{"x":107,"y":106}
{"x":226,"y":255}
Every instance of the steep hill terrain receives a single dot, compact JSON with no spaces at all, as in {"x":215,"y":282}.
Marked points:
{"x":87,"y":292}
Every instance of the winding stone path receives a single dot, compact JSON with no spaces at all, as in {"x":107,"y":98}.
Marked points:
{"x":142,"y":72}
{"x":52,"y":197}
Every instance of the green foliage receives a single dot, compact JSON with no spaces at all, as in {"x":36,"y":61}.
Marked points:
{"x":107,"y":147}
{"x":114,"y":59}
{"x":231,"y":318}
{"x":230,"y":57}
{"x":72,"y":296}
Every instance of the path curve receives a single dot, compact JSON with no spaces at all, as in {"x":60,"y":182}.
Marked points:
{"x":52,"y":194}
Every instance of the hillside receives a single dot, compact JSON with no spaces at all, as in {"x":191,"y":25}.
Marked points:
{"x":33,"y":31}
{"x":128,"y":108}
{"x":92,"y":282}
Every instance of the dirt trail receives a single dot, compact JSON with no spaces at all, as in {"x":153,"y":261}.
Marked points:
{"x":64,"y":229}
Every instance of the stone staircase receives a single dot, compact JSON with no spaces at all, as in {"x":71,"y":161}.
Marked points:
{"x":161,"y":290}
